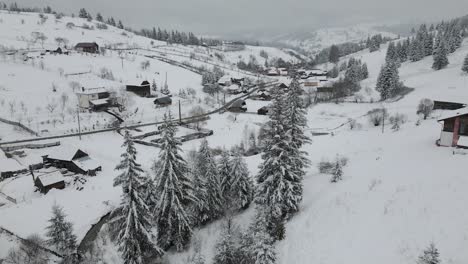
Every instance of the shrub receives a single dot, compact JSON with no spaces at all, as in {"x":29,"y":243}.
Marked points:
{"x":377,"y":115}
{"x":106,"y":74}
{"x":101,"y":26}
{"x":397,"y":120}
{"x":425,"y":107}
{"x":70,"y":25}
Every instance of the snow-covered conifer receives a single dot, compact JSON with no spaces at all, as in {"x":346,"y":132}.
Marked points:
{"x":337,"y":171}
{"x":60,"y":232}
{"x":440,"y":56}
{"x":226,"y":247}
{"x":264,"y":249}
{"x":465,"y":65}
{"x":429,"y":256}
{"x":241,"y":188}
{"x":388,"y":81}
{"x":128,"y":164}
{"x":174,"y":191}
{"x":132,"y":219}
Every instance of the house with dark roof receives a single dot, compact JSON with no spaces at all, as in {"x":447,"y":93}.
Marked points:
{"x":89,"y":47}
{"x":143,"y":90}
{"x":74,"y":160}
{"x":238,"y":106}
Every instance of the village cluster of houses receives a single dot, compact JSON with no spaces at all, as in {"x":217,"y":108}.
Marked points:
{"x":50,"y":174}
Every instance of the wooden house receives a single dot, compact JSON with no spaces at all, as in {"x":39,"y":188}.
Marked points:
{"x":48,"y":181}
{"x":74,"y":160}
{"x":238,"y":106}
{"x":163,"y":101}
{"x":9,"y":167}
{"x":262,"y":94}
{"x":455,"y":129}
{"x":143,"y":90}
{"x":93,"y":97}
{"x":88,"y":47}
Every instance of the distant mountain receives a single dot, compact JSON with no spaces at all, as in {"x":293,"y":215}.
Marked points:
{"x":314,"y":41}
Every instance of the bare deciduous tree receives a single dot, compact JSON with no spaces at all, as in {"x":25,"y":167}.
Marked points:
{"x":51,"y":106}
{"x":197,"y":111}
{"x":28,"y":252}
{"x":425,"y":107}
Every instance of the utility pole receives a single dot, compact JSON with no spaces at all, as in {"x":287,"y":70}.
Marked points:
{"x":383,"y":120}
{"x":180,"y":114}
{"x":79,"y":127}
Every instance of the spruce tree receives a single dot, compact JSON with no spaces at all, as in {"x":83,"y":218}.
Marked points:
{"x":364,"y":72}
{"x":99,"y":17}
{"x":465,"y":65}
{"x":277,"y":180}
{"x":120,"y":25}
{"x":226,"y":179}
{"x":440,"y":57}
{"x":337,"y":172}
{"x":207,"y":185}
{"x":60,"y":232}
{"x":264,"y":249}
{"x":128,"y":164}
{"x":83,"y":13}
{"x":429,"y":256}
{"x":388,"y":82}
{"x":226,"y":247}
{"x":241,"y":188}
{"x":132,"y":219}
{"x":391,"y":52}
{"x":174,"y":191}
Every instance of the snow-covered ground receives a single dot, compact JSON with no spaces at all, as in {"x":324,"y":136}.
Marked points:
{"x":399,"y":193}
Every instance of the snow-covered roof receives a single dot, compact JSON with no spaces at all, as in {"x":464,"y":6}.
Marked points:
{"x":100,"y":101}
{"x":224,"y":79}
{"x":63,"y":153}
{"x":463,"y":141}
{"x":233,"y":87}
{"x":51,"y":178}
{"x":10,"y":165}
{"x":92,"y":90}
{"x":454,"y":113}
{"x":86,"y":163}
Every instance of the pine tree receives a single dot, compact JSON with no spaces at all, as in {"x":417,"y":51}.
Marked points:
{"x":128,"y":165}
{"x":465,"y":65}
{"x":334,"y":55}
{"x":208,"y":190}
{"x":364,"y":71}
{"x":132,"y":219}
{"x":60,"y":232}
{"x":337,"y":172}
{"x":120,"y":25}
{"x":277,"y":179}
{"x":430,"y":255}
{"x":83,"y":13}
{"x":99,"y":17}
{"x":154,"y":87}
{"x":264,"y":249}
{"x":391,"y":52}
{"x":174,"y":191}
{"x":241,"y":189}
{"x":440,"y":57}
{"x":388,"y":82}
{"x":226,"y":248}
{"x":226,"y":179}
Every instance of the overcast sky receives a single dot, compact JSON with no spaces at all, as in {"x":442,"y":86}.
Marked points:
{"x":228,"y":17}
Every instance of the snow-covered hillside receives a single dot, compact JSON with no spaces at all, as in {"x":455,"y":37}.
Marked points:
{"x":317,"y":40}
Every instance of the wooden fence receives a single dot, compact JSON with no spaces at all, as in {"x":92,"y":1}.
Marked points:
{"x":18,"y":124}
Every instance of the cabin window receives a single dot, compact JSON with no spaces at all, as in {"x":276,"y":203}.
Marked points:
{"x":463,"y":127}
{"x":448,"y":125}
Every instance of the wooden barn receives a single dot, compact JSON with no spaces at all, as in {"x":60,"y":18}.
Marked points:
{"x":48,"y":181}
{"x":163,"y":101}
{"x":143,"y":90}
{"x":238,"y":106}
{"x":455,"y":129}
{"x":263,"y":110}
{"x":74,"y":160}
{"x":88,"y":47}
{"x":445,"y":105}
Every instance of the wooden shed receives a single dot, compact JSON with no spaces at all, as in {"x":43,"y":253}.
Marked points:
{"x":48,"y":181}
{"x":74,"y":160}
{"x":238,"y":106}
{"x":163,"y":101}
{"x":143,"y":90}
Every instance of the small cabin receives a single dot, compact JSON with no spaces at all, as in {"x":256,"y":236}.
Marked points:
{"x":263,"y":95}
{"x":143,"y":90}
{"x":163,"y":101}
{"x":263,"y":110}
{"x":88,"y":47}
{"x":93,"y":97}
{"x":454,"y":129}
{"x":48,"y":181}
{"x":238,"y":106}
{"x":74,"y":160}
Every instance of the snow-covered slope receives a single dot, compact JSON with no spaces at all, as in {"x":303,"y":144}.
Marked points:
{"x":316,"y":40}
